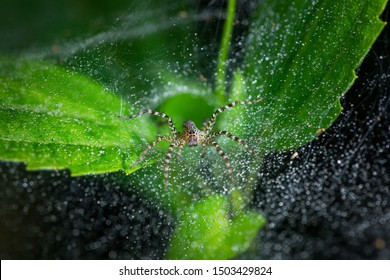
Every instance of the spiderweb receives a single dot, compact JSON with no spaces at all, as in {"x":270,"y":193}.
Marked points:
{"x":332,"y":201}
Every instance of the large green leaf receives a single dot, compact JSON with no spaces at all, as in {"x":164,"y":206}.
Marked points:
{"x":301,"y":56}
{"x":53,"y":119}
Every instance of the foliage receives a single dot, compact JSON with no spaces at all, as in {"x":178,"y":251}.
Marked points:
{"x":299,"y":55}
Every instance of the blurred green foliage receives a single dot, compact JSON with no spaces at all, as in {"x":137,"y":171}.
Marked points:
{"x":81,"y":64}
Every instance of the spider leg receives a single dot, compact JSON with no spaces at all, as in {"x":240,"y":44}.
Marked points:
{"x":166,"y":165}
{"x":205,"y":122}
{"x":224,"y":156}
{"x":210,"y":124}
{"x":181,"y":145}
{"x":162,"y":115}
{"x":203,"y":150}
{"x":151,"y":145}
{"x":235,"y":138}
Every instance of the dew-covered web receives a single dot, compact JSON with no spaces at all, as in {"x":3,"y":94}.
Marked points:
{"x":331,"y":201}
{"x":102,"y":216}
{"x":53,"y":215}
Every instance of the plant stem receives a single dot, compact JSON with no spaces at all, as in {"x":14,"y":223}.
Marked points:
{"x":220,"y":82}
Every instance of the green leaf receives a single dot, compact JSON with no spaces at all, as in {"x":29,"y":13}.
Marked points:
{"x":300,"y":57}
{"x":186,"y":99}
{"x":232,"y":120}
{"x":206,"y":231}
{"x":54,"y":119}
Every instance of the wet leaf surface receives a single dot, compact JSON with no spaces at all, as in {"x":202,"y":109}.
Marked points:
{"x":300,"y":57}
{"x":56,"y":119}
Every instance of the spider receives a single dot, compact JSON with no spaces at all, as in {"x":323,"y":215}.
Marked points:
{"x":192,"y":136}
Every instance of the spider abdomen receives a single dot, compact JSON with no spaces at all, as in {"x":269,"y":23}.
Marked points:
{"x":192,"y":140}
{"x":191,"y":133}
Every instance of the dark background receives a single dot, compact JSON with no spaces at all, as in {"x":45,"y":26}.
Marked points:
{"x":332,"y":201}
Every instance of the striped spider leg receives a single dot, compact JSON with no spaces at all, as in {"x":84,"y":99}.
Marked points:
{"x":174,"y":140}
{"x":192,"y":136}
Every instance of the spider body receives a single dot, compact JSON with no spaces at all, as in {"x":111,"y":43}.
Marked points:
{"x":192,"y":136}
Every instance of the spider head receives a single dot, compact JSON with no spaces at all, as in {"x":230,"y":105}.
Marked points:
{"x":191,"y":133}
